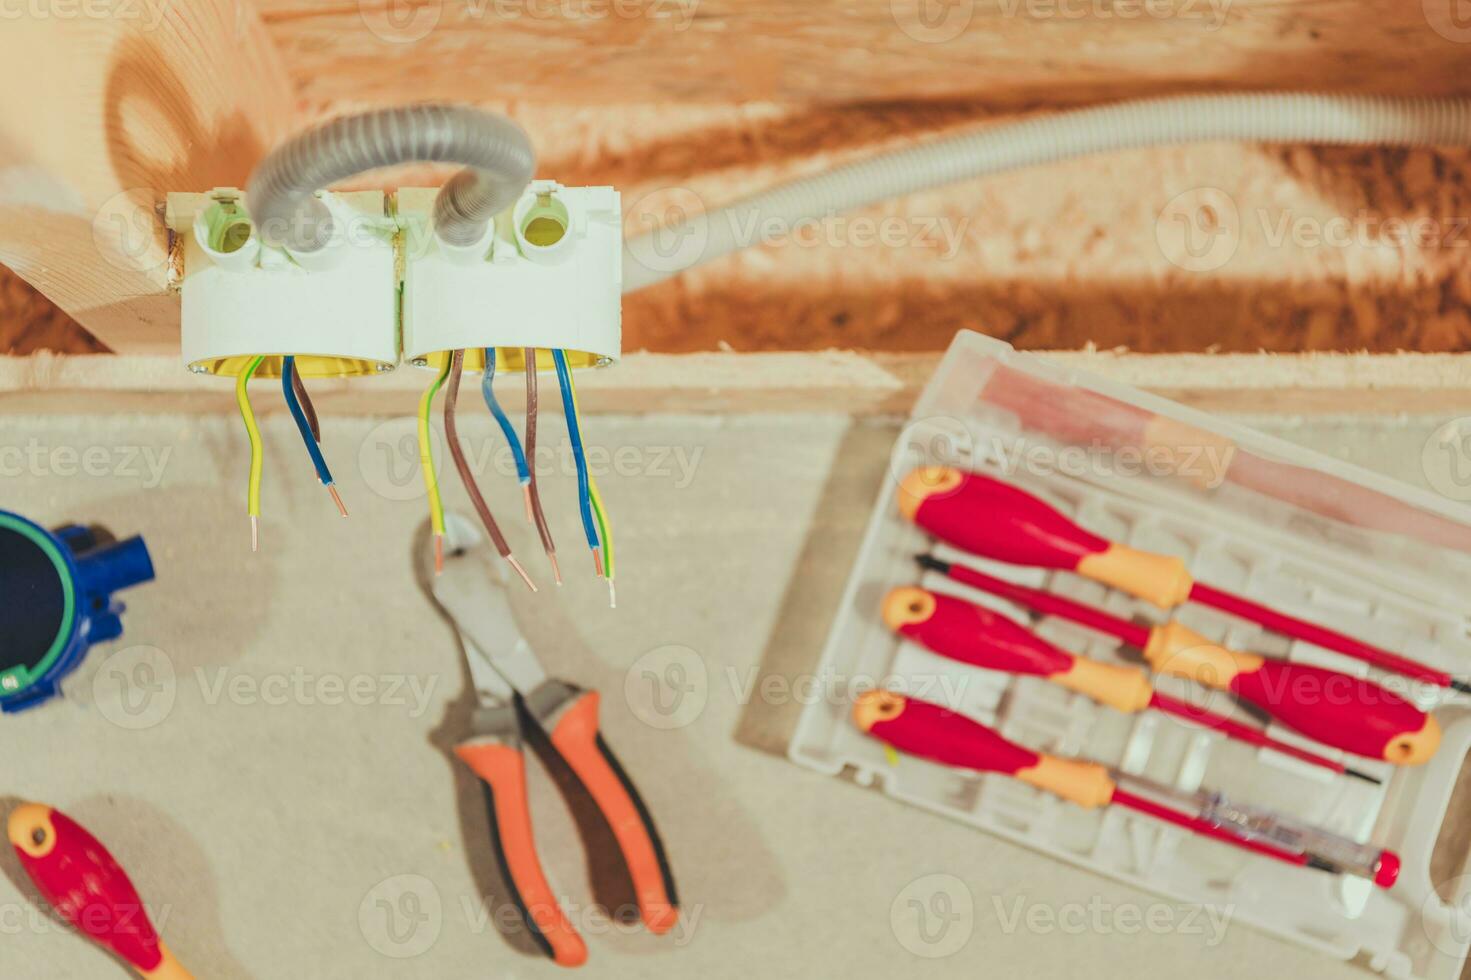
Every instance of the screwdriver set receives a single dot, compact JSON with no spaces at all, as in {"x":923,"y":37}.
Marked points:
{"x":1031,"y":646}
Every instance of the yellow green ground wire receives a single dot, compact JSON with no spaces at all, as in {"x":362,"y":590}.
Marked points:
{"x":604,"y":525}
{"x":242,"y":398}
{"x":426,"y":452}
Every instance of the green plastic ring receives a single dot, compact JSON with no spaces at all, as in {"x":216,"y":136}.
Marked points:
{"x":48,"y":547}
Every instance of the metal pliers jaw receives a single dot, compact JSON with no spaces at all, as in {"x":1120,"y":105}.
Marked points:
{"x":513,"y":690}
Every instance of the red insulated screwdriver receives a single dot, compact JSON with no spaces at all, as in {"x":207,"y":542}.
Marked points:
{"x":981,"y":637}
{"x":84,"y":884}
{"x":1334,"y":708}
{"x":996,"y":520}
{"x":929,"y":731}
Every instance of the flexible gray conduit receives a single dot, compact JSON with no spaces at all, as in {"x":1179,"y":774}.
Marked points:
{"x":1257,"y":118}
{"x":498,"y":156}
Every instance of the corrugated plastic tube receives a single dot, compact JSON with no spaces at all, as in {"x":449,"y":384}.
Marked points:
{"x":498,"y":157}
{"x":1255,"y":118}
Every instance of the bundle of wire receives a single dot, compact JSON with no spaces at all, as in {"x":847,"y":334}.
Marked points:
{"x":426,"y":466}
{"x":590,"y":502}
{"x":487,"y":391}
{"x":538,"y":517}
{"x":252,"y":493}
{"x":305,"y":415}
{"x":300,"y":404}
{"x":594,"y":518}
{"x":467,"y":476}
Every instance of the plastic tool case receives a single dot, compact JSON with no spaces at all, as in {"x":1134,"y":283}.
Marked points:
{"x":1306,"y":534}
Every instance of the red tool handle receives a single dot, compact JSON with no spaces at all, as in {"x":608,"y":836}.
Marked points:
{"x":999,"y":521}
{"x":1335,"y":708}
{"x":972,"y":634}
{"x":576,"y":736}
{"x":931,"y":732}
{"x":86,"y":886}
{"x":503,"y":768}
{"x":996,"y":520}
{"x":981,"y":637}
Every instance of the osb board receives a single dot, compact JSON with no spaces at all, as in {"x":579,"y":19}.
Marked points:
{"x":845,"y":51}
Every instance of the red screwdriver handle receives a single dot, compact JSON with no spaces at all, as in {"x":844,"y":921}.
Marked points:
{"x":996,"y":520}
{"x":928,"y":731}
{"x":981,"y":637}
{"x":999,"y":521}
{"x":86,"y":886}
{"x":1335,"y":708}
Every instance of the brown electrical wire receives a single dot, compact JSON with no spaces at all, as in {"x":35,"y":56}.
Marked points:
{"x":467,"y":477}
{"x":307,"y":408}
{"x":541,"y":519}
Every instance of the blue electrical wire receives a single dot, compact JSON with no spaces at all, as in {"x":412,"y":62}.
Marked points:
{"x":574,"y":431}
{"x":288,"y":368}
{"x":522,"y":472}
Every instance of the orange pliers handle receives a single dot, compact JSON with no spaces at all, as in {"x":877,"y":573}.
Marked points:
{"x":574,"y":732}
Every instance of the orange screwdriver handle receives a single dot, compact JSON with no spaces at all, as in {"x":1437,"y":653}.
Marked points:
{"x":981,"y":637}
{"x":928,"y":731}
{"x":502,"y":766}
{"x":575,"y":735}
{"x":1335,"y":708}
{"x":999,"y":521}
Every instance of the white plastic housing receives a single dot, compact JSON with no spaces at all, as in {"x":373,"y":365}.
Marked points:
{"x":1303,"y":533}
{"x":336,"y":310}
{"x":520,"y":288}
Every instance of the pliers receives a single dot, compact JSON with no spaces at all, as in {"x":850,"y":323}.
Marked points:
{"x":513,"y":690}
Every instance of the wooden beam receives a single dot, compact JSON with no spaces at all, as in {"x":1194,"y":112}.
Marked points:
{"x":105,"y":107}
{"x":829,"y":381}
{"x":1009,"y":52}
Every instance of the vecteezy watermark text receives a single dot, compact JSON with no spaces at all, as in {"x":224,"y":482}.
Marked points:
{"x":1201,"y":229}
{"x":669,"y":687}
{"x":673,"y":228}
{"x":408,"y":21}
{"x":149,"y":13}
{"x":941,"y":21}
{"x":1205,"y":464}
{"x":402,"y":917}
{"x":1099,"y":916}
{"x":388,"y":459}
{"x":143,"y":463}
{"x":138,"y":687}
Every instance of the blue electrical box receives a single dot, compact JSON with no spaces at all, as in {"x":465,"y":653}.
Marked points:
{"x":56,"y":601}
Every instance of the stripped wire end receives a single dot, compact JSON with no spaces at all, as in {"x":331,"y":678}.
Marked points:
{"x":526,"y":495}
{"x":439,"y":554}
{"x":337,"y":499}
{"x":254,"y":533}
{"x":556,"y":569}
{"x":612,"y":595}
{"x":521,"y":572}
{"x":597,"y":561}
